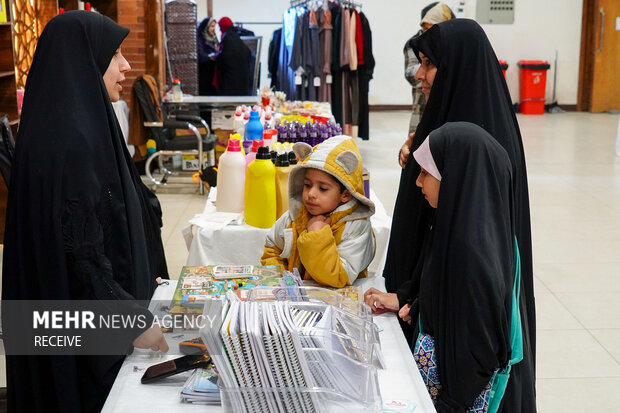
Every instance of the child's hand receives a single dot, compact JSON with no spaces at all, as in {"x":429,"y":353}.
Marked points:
{"x":318,"y":222}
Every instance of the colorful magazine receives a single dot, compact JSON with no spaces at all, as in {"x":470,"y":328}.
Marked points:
{"x":196,"y":284}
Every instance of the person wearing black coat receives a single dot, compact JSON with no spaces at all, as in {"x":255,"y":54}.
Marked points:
{"x":80,"y":223}
{"x":468,"y":86}
{"x":232,"y":76}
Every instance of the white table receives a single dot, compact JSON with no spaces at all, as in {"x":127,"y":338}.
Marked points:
{"x":220,"y":238}
{"x":399,"y":381}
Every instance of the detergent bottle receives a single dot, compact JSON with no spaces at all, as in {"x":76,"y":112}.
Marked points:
{"x":282,"y":170}
{"x":260,"y":191}
{"x":230,"y":179}
{"x":252,"y":152}
{"x":254,"y":128}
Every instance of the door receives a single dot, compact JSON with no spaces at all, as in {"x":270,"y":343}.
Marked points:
{"x":599,"y":89}
{"x":606,"y":87}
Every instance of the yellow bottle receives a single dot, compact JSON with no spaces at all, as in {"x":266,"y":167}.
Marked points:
{"x":282,"y":170}
{"x":260,"y":191}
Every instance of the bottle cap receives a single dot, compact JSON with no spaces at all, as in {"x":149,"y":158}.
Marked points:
{"x":274,"y":156}
{"x":263,"y":153}
{"x":292,"y":158}
{"x":234,"y":145}
{"x":246,"y":116}
{"x":256,"y":143}
{"x":282,"y":160}
{"x":254,"y":115}
{"x":269,"y":133}
{"x":176,"y":81}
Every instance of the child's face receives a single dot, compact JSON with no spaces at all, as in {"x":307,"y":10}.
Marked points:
{"x":321,"y":194}
{"x":430,"y":187}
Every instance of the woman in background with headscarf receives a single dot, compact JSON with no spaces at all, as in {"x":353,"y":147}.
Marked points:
{"x":80,"y":223}
{"x":208,"y":45}
{"x":463,"y":81}
{"x":232,"y":75}
{"x":432,"y":14}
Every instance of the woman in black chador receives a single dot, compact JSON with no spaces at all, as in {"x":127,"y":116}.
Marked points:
{"x":469,"y":280}
{"x":463,"y":81}
{"x":80,"y":223}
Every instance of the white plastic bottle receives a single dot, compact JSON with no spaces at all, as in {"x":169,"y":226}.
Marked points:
{"x":231,"y":179}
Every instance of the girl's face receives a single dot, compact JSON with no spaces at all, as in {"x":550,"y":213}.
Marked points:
{"x":426,"y":74}
{"x":212,"y":28}
{"x":430,"y":187}
{"x":115,"y":74}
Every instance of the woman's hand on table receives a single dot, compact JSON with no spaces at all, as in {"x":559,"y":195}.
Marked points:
{"x":404,"y":313}
{"x":152,"y":338}
{"x":380,"y":302}
{"x":404,"y":150}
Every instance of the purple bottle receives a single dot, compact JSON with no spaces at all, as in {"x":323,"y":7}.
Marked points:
{"x":312,"y":135}
{"x":303,"y":134}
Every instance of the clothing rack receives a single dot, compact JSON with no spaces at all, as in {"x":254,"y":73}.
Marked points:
{"x":240,"y":24}
{"x":345,"y":3}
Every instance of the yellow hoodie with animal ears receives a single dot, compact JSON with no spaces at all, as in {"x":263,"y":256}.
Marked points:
{"x":336,"y":254}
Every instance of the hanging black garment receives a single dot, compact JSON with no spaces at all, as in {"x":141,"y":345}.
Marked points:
{"x":233,"y":65}
{"x":80,"y":223}
{"x":206,"y":65}
{"x":336,"y":70}
{"x":365,"y":73}
{"x":272,"y":59}
{"x":468,"y":86}
{"x":468,"y":271}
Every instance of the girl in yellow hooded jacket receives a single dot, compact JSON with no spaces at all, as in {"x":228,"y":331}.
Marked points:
{"x":326,"y":233}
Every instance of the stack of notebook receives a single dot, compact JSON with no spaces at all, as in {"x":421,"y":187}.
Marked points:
{"x":291,"y":357}
{"x":201,"y":387}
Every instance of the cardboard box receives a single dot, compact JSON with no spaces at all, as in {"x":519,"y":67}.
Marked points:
{"x":222,"y":119}
{"x":190,"y":162}
{"x":222,"y":142}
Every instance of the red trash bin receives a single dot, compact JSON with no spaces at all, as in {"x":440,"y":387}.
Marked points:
{"x":504,"y":65}
{"x":532,"y":86}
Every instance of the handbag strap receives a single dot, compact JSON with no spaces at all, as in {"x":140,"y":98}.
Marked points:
{"x":516,"y":333}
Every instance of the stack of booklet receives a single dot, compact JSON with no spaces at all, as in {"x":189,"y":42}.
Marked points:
{"x":201,"y":387}
{"x":287,"y":356}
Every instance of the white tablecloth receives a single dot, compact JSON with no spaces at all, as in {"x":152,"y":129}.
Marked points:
{"x":400,"y":379}
{"x":219,"y":238}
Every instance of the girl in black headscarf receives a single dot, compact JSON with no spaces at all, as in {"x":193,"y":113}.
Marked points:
{"x":470,"y":269}
{"x":208,"y":46}
{"x":80,"y":223}
{"x":463,"y":80}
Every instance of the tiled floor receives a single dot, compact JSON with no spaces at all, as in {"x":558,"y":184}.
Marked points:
{"x":574,"y":178}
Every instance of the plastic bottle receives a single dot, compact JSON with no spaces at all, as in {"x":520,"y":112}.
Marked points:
{"x":246,"y":119}
{"x":282,"y":171}
{"x":260,"y":191}
{"x":252,"y":152}
{"x":238,"y":125}
{"x":177,"y":94}
{"x":268,"y":137}
{"x":230,"y":179}
{"x":253,"y":129}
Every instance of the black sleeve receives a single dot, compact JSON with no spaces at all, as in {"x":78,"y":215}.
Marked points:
{"x":91,"y":273}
